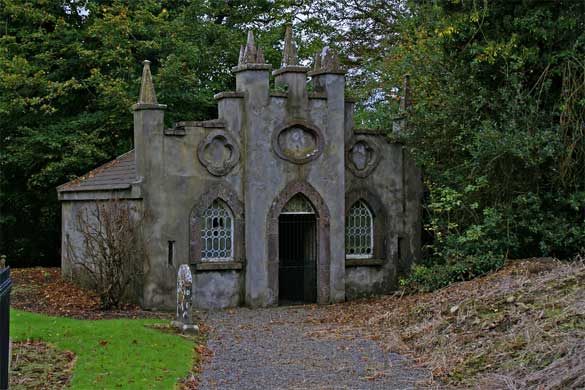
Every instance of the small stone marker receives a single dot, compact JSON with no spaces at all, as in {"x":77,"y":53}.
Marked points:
{"x":184,"y":320}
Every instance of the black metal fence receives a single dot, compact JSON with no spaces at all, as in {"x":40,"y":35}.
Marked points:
{"x":5,"y":286}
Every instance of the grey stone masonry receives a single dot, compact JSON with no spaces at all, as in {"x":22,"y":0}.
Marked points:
{"x":216,"y":193}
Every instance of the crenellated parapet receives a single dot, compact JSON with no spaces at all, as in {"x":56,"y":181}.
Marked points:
{"x":290,"y":80}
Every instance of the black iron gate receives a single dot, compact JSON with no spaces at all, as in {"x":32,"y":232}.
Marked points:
{"x":5,"y":285}
{"x":297,"y":271}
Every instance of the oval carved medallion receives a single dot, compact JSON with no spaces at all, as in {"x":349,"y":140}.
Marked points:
{"x":298,"y":142}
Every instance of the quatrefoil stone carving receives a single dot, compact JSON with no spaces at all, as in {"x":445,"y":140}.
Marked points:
{"x":219,"y":152}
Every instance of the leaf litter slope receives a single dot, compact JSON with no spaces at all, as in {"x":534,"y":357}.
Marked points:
{"x":520,"y":327}
{"x":44,"y":290}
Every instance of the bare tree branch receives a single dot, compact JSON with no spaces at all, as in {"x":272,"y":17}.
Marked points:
{"x":112,"y":251}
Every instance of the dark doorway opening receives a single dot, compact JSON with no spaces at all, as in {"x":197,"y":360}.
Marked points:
{"x":297,"y":270}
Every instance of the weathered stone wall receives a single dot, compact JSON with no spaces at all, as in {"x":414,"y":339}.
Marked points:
{"x":388,"y":178}
{"x":218,"y":289}
{"x":263,"y":177}
{"x":73,"y":242}
{"x":171,"y":193}
{"x":264,"y":148}
{"x":267,"y":177}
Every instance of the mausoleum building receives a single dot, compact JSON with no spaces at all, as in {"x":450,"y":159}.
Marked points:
{"x":280,"y":199}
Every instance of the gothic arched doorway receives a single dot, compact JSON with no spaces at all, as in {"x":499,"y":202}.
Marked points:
{"x":297,"y":250}
{"x":321,"y":219}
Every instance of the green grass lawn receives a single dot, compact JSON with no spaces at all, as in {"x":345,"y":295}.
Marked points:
{"x":111,"y":354}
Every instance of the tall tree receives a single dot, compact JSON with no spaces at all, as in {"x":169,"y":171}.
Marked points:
{"x":498,"y":124}
{"x":68,"y":76}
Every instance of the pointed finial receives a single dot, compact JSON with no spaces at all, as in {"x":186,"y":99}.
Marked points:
{"x":250,"y":50}
{"x":147,"y":94}
{"x":289,"y":54}
{"x":250,"y":54}
{"x":329,"y":60}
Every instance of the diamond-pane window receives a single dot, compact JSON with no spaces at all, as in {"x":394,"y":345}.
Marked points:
{"x":298,"y":204}
{"x":217,"y":232}
{"x":359,"y":232}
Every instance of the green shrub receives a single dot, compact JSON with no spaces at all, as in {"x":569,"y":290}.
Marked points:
{"x":425,"y":278}
{"x":498,"y":126}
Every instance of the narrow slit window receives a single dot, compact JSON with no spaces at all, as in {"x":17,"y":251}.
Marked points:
{"x":171,"y":253}
{"x":359,"y":232}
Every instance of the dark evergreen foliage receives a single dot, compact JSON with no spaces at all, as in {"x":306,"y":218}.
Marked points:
{"x":497,"y":122}
{"x":68,"y":77}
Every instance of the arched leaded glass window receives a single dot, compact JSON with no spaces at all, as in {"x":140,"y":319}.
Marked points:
{"x":217,"y":232}
{"x":359,"y":231}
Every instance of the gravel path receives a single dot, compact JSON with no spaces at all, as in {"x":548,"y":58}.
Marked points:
{"x":292,"y":348}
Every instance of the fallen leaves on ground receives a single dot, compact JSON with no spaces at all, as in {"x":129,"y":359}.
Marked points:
{"x":37,"y":365}
{"x":191,"y":382}
{"x":520,"y":327}
{"x":44,"y":290}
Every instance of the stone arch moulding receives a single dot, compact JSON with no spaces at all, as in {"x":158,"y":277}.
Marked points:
{"x":227,"y":195}
{"x":380,"y":219}
{"x":323,"y":238}
{"x":298,"y":141}
{"x":362,"y":156}
{"x":219,"y":152}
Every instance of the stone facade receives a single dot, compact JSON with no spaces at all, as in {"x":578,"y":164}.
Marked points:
{"x":214,"y":191}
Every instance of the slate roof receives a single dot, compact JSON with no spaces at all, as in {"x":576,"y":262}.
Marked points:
{"x":117,"y":174}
